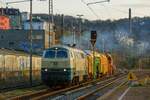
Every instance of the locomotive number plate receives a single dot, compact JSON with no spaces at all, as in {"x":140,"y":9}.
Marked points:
{"x":55,"y":63}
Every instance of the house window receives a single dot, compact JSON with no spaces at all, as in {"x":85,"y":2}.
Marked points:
{"x":38,"y":37}
{"x":11,"y":43}
{"x":39,"y":27}
{"x":2,"y":37}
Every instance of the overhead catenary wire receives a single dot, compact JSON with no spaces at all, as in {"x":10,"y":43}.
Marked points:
{"x":7,"y":4}
{"x":122,"y":11}
{"x":112,"y":8}
{"x":97,"y":2}
{"x":108,"y":12}
{"x":119,"y":10}
{"x":90,"y":8}
{"x":93,"y":11}
{"x":91,"y":3}
{"x":17,"y":2}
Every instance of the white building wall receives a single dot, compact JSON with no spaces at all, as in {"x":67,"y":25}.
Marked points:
{"x":38,"y":26}
{"x":35,"y":26}
{"x":24,"y":16}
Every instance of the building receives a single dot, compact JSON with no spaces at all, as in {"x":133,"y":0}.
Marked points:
{"x":24,"y":16}
{"x":19,"y":40}
{"x":40,"y":24}
{"x":14,"y":15}
{"x":37,"y":24}
{"x":17,"y":37}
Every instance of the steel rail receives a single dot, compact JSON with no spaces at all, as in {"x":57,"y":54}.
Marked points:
{"x":31,"y":95}
{"x":98,"y":89}
{"x":66,"y":90}
{"x":43,"y":94}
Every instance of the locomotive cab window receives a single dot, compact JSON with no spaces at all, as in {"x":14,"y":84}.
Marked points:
{"x":49,"y":54}
{"x":62,"y":54}
{"x":56,"y":53}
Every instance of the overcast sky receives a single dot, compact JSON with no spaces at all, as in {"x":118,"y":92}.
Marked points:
{"x":115,"y":9}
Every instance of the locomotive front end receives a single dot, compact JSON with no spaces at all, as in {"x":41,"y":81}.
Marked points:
{"x":56,"y":67}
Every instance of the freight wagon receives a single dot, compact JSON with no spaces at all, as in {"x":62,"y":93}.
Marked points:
{"x":15,"y":66}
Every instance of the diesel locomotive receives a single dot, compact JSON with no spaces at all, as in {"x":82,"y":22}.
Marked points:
{"x":63,"y":65}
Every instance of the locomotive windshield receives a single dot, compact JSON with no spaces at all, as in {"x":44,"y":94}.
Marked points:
{"x":56,"y":53}
{"x":62,"y":54}
{"x":49,"y":54}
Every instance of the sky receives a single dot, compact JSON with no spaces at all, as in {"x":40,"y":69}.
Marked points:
{"x":115,"y":9}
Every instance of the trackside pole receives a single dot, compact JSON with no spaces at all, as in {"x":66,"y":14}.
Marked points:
{"x":93,"y":41}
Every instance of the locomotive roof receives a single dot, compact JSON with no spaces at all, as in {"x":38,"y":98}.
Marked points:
{"x":66,"y":47}
{"x":88,"y":52}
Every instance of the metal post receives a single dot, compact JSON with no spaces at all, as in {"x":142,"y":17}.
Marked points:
{"x":103,"y":45}
{"x":80,"y":32}
{"x":80,"y":20}
{"x":62,"y":27}
{"x":94,"y":60}
{"x":130,"y":21}
{"x":30,"y":42}
{"x":139,"y":62}
{"x":49,"y":25}
{"x":2,"y":11}
{"x":93,"y":41}
{"x":74,"y":36}
{"x":51,"y":21}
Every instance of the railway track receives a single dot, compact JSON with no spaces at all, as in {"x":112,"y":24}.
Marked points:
{"x":85,"y":92}
{"x":19,"y":87}
{"x":61,"y":93}
{"x":6,"y":94}
{"x":101,"y":89}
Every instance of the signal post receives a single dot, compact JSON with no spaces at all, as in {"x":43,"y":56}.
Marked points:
{"x":93,"y":41}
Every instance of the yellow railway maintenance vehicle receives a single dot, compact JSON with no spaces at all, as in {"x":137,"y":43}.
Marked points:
{"x":101,"y":66}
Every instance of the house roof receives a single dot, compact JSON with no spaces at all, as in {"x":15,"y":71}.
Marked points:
{"x":35,"y":20}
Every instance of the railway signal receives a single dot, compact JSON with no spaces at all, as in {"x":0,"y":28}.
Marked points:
{"x":93,"y":41}
{"x":93,"y":37}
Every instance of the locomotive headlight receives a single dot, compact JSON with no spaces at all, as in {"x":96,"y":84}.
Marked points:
{"x":65,"y":70}
{"x":45,"y":70}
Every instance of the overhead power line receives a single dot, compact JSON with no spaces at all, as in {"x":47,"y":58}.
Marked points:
{"x":93,"y":11}
{"x":112,"y":8}
{"x":90,"y":8}
{"x":91,"y":3}
{"x":122,"y":11}
{"x":17,"y":2}
{"x":97,"y":2}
